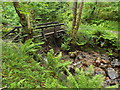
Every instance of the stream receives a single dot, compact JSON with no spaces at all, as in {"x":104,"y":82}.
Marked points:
{"x":109,"y":66}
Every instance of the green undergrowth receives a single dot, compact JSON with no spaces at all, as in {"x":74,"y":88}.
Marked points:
{"x":101,"y":25}
{"x":20,"y":70}
{"x":98,"y":38}
{"x":94,"y":37}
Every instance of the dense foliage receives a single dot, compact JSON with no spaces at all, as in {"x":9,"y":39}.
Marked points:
{"x":20,"y":70}
{"x":54,"y":11}
{"x":24,"y":67}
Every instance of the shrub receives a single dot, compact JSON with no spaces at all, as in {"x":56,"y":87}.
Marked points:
{"x":85,"y":79}
{"x":96,"y":36}
{"x":19,"y":69}
{"x":65,"y":44}
{"x":54,"y":62}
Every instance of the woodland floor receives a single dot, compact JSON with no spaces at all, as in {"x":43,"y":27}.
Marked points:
{"x":82,"y":57}
{"x":108,"y":66}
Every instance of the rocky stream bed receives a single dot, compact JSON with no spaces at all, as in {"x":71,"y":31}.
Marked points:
{"x":109,"y":66}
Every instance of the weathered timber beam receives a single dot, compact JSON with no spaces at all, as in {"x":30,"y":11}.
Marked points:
{"x":39,"y":24}
{"x":10,"y":32}
{"x":47,"y":34}
{"x":55,"y":32}
{"x":43,"y":35}
{"x":16,"y":37}
{"x":17,"y":26}
{"x":49,"y":26}
{"x":46,"y":24}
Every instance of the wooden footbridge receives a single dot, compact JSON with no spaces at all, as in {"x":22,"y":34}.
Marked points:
{"x":44,"y":31}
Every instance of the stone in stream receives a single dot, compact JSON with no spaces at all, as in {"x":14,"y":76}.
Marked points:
{"x":105,"y":57}
{"x":114,"y":82}
{"x":72,"y":54}
{"x":103,"y":66}
{"x":106,"y":82}
{"x":97,"y":62}
{"x":115,"y":63}
{"x":79,"y":57}
{"x":77,"y":64}
{"x":112,"y":73}
{"x":87,"y":63}
{"x":104,"y":61}
{"x":99,"y":71}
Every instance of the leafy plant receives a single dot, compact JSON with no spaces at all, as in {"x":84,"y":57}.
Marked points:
{"x":19,"y":69}
{"x":29,"y":46}
{"x":85,"y":79}
{"x":65,"y":44}
{"x":54,"y":62}
{"x":93,"y":36}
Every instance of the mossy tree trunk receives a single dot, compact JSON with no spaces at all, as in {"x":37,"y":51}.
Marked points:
{"x":77,"y":22}
{"x":74,"y":9}
{"x":24,"y":21}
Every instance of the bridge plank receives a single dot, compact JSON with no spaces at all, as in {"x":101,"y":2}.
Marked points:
{"x":9,"y":32}
{"x":47,"y":34}
{"x":49,"y":26}
{"x":47,"y":29}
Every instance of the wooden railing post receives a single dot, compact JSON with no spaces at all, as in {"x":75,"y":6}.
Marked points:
{"x":43,"y":34}
{"x":55,"y":32}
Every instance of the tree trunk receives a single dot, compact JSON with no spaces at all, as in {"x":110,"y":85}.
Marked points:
{"x":75,"y":29}
{"x":25,"y":22}
{"x":79,"y":15}
{"x":74,"y":14}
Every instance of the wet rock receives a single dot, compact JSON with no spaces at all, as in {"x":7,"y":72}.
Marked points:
{"x":103,"y":66}
{"x":111,"y":57}
{"x":115,"y":63}
{"x":73,"y":54}
{"x":110,"y":82}
{"x":83,"y":55}
{"x":114,"y":82}
{"x":75,"y":64}
{"x":99,"y":71}
{"x":119,"y":80}
{"x":79,"y":57}
{"x":104,"y":61}
{"x":98,"y":58}
{"x":87,"y":63}
{"x":97,"y":62}
{"x":105,"y":57}
{"x":112,"y":73}
{"x":106,"y":82}
{"x":118,"y":71}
